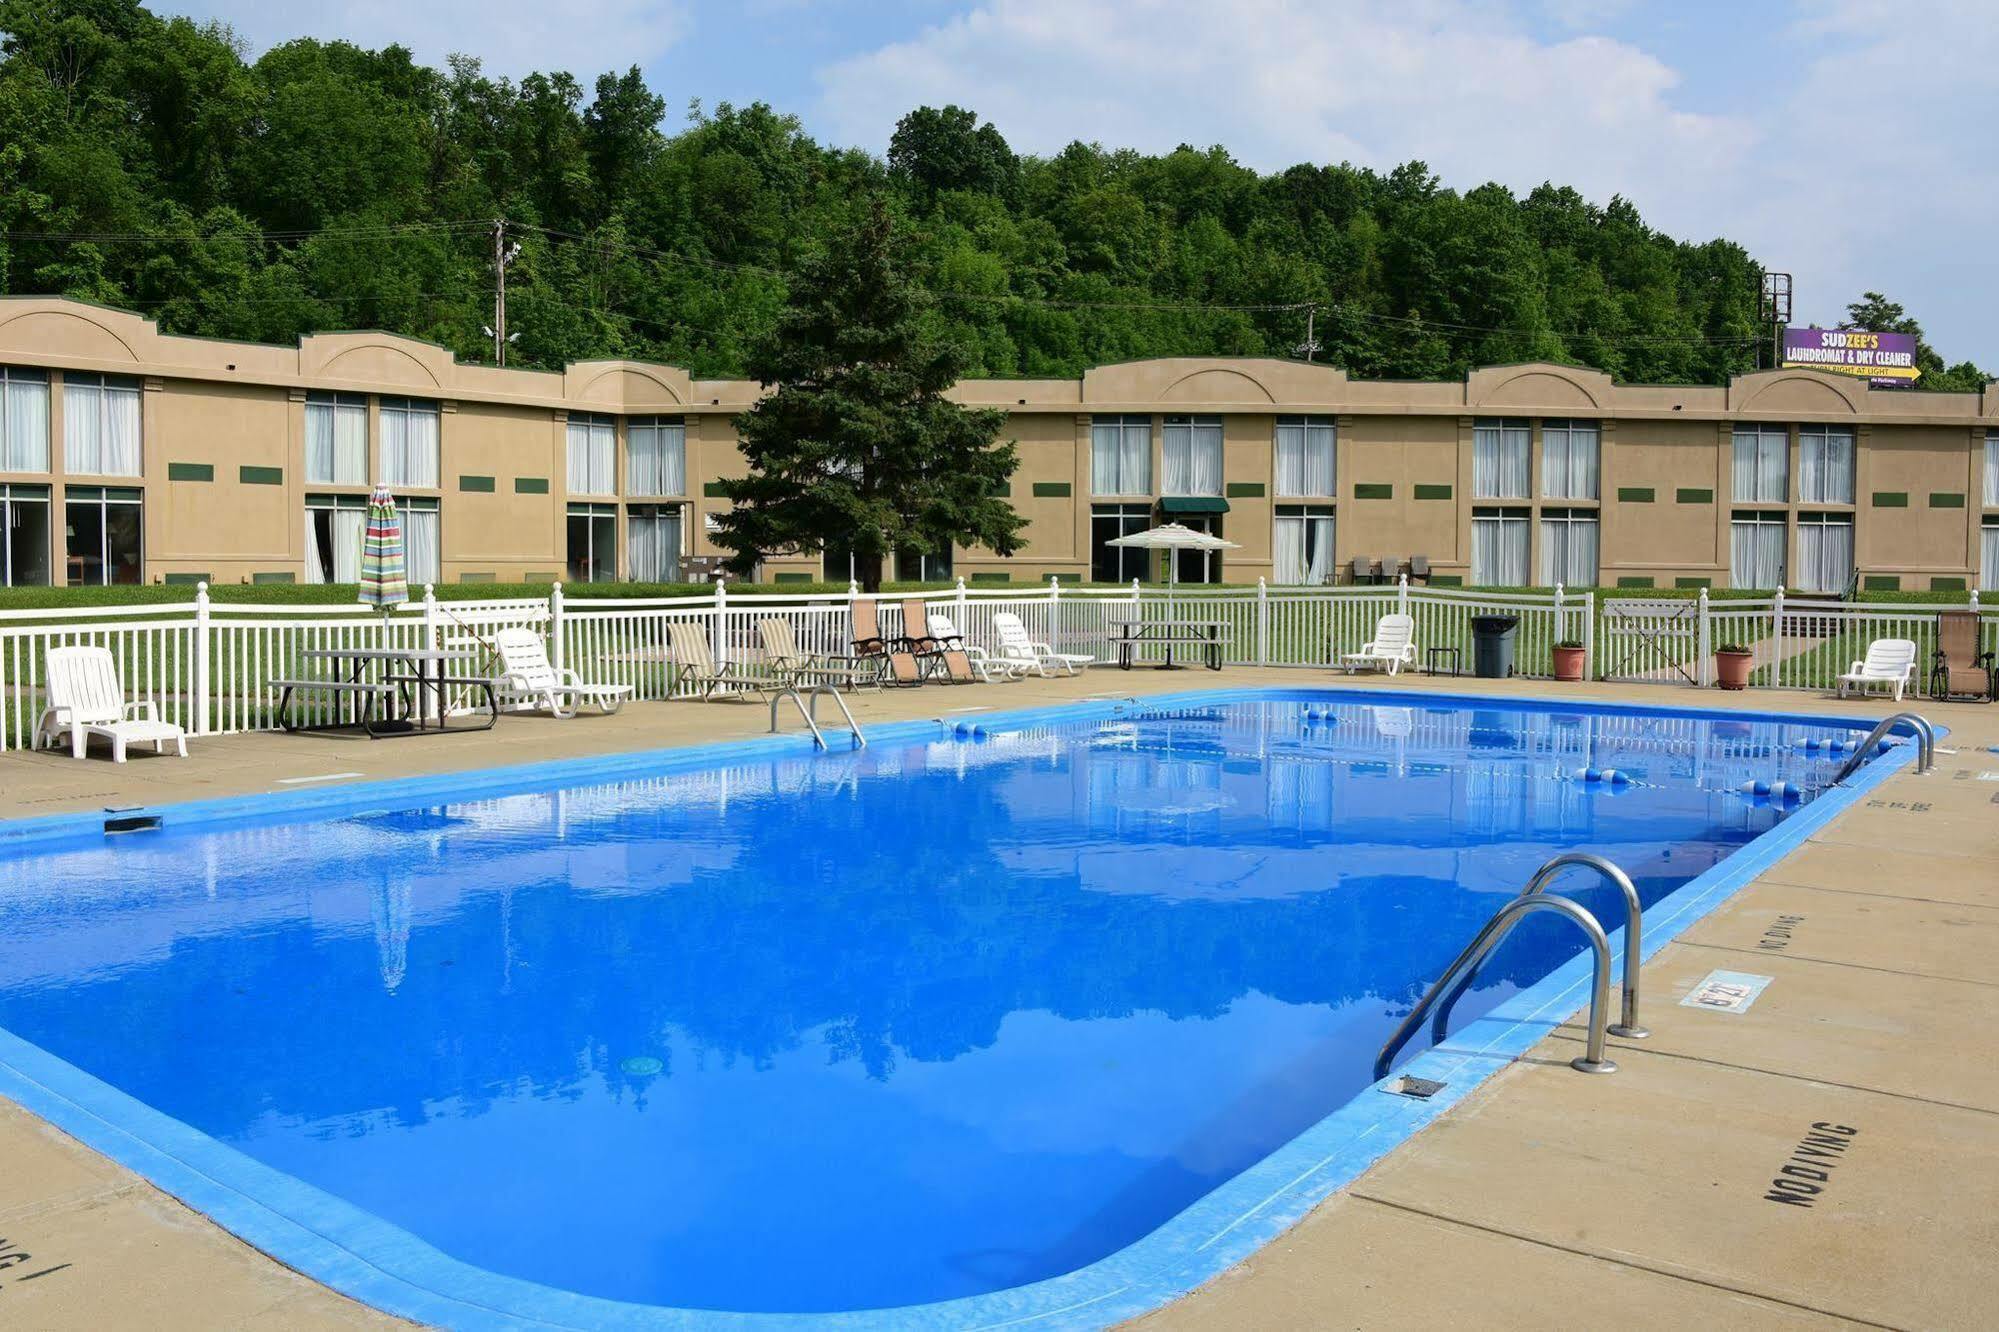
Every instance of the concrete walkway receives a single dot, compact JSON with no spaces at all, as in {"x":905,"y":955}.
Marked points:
{"x":1546,"y":1196}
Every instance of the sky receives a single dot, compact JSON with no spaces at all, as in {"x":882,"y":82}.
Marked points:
{"x":1846,"y":142}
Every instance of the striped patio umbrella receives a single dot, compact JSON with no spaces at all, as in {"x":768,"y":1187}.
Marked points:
{"x":383,"y":583}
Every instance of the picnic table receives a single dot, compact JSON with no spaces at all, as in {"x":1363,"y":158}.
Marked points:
{"x":406,"y":677}
{"x":1205,"y":636}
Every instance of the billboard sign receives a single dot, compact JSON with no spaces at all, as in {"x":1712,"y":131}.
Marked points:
{"x":1886,"y":360}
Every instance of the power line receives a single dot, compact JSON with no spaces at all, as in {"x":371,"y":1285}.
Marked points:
{"x":271,"y":237}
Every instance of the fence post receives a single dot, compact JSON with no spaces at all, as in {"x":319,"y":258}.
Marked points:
{"x":201,"y":658}
{"x":958,"y":607}
{"x":1589,"y":634}
{"x":555,"y":634}
{"x":1055,"y":612}
{"x":430,"y":617}
{"x":1262,"y":622}
{"x":1703,"y":644}
{"x":1561,"y":615}
{"x":1777,"y":639}
{"x":717,"y":640}
{"x":1402,"y":594}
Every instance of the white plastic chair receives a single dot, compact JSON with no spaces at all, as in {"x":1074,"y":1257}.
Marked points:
{"x":86,"y":698}
{"x":989,"y":667}
{"x":528,"y":677}
{"x":1030,"y":655}
{"x":1392,"y":647}
{"x":1890,"y":662}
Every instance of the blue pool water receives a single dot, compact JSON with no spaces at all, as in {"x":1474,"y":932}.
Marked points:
{"x":858,"y":1030}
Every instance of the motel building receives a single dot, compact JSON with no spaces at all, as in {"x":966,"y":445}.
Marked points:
{"x":131,"y":456}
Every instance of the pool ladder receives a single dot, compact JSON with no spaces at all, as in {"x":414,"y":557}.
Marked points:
{"x":1926,"y":744}
{"x":1535,"y":897}
{"x":807,"y":701}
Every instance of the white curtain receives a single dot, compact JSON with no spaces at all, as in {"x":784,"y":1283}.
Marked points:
{"x":1500,"y":467}
{"x":1988,"y":566}
{"x":409,"y":447}
{"x":1568,"y":552}
{"x":1287,"y":551}
{"x":345,"y":529}
{"x":336,"y":442}
{"x":100,"y":427}
{"x":1191,"y":454}
{"x":1305,"y":450}
{"x":1569,"y":459}
{"x":24,"y":423}
{"x":420,"y":556}
{"x":652,"y":547}
{"x":1762,"y":465}
{"x":1991,"y":471}
{"x":656,"y":458}
{"x":1499,"y":550}
{"x":1121,"y":455}
{"x":1825,"y":465}
{"x":1756,"y":555}
{"x":1825,"y":555}
{"x":592,"y":444}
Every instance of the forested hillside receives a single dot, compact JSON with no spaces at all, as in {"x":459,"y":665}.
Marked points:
{"x":145,"y":163}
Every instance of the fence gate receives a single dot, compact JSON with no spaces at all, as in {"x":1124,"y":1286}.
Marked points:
{"x":1655,"y":642}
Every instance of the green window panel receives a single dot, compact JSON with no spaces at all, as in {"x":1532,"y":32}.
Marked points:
{"x":530,"y":485}
{"x":186,"y":579}
{"x":261,"y":476}
{"x":1373,"y":490}
{"x":479,"y":485}
{"x":1883,"y":582}
{"x":1946,"y":585}
{"x":1694,"y":495}
{"x":1635,"y":581}
{"x":713,"y":490}
{"x":190,"y":471}
{"x":1245,"y":489}
{"x":992,"y":578}
{"x":792,"y":578}
{"x":1433,"y":492}
{"x":1447,"y":580}
{"x":1635,"y":495}
{"x":1051,"y":490}
{"x":1693,"y":582}
{"x":1891,"y":499}
{"x":477,"y":578}
{"x":262,"y":579}
{"x":1946,"y":499}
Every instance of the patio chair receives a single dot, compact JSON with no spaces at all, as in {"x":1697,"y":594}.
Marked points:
{"x":1419,"y":569}
{"x":1363,"y":569}
{"x":986,"y":666}
{"x":86,"y":698}
{"x":527,"y":677}
{"x":1030,"y":655}
{"x":688,"y":643}
{"x":1958,"y":670}
{"x":865,"y":632}
{"x":1386,"y":568}
{"x":783,"y":656}
{"x":1392,"y":647}
{"x":916,"y":627}
{"x":1889,"y":664}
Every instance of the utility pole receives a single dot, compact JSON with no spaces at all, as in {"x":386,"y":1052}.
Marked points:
{"x":1310,"y":346}
{"x":1777,"y":311}
{"x":503,"y":255}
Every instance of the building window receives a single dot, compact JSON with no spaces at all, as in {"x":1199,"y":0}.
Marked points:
{"x":1756,"y":550}
{"x":336,"y":440}
{"x":593,"y":442}
{"x":409,"y":444}
{"x":1121,"y":455}
{"x":1117,"y":564}
{"x":1301,"y":544}
{"x":652,"y":543}
{"x":1305,"y":451}
{"x":656,"y":456}
{"x":24,"y":523}
{"x":334,"y":528}
{"x":1569,"y":456}
{"x":1762,"y":467}
{"x":1500,"y":468}
{"x":1825,"y":550}
{"x":593,"y":540}
{"x":100,"y":425}
{"x":1991,"y":471}
{"x":1499,"y":541}
{"x":923,"y":567}
{"x":1191,"y":455}
{"x":421,"y":564}
{"x":102,"y":530}
{"x":1988,"y":564}
{"x":1568,"y":547}
{"x":1825,"y":465}
{"x":24,"y":420}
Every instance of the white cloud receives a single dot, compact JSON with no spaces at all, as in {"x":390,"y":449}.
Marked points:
{"x":508,"y":36}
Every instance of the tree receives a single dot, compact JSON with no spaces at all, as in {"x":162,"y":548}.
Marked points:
{"x":949,"y":150}
{"x":1877,"y":314}
{"x":855,"y":446}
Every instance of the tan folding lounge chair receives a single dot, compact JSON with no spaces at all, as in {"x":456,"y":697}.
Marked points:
{"x":916,"y":634}
{"x":1958,"y":669}
{"x":688,"y":642}
{"x":783,"y":656}
{"x":866,"y":631}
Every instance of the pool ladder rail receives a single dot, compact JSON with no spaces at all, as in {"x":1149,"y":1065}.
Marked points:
{"x":807,"y":701}
{"x":1535,"y":897}
{"x":1926,"y":744}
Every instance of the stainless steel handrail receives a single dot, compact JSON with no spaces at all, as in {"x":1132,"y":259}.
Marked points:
{"x":1592,"y":1060}
{"x":1634,"y":915}
{"x":1926,"y":744}
{"x":807,"y":702}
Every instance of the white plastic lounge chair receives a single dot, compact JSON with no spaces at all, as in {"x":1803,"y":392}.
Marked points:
{"x":1889,"y":664}
{"x":527,"y":677}
{"x":988,"y":667}
{"x":86,"y":698}
{"x":1029,"y":655}
{"x":1392,"y":647}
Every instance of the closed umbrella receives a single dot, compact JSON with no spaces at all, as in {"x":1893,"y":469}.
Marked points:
{"x":384,"y":584}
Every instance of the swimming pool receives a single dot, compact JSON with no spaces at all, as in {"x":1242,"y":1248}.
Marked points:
{"x":1044,"y":1016}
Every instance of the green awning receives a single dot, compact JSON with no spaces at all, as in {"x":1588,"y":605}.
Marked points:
{"x":1193,"y":504}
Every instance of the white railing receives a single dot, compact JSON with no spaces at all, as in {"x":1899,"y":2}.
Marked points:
{"x":208,"y":665}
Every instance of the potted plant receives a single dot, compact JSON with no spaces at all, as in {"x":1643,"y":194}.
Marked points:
{"x":1569,"y":659}
{"x":1731,"y":665}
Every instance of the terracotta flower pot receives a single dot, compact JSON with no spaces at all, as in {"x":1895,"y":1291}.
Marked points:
{"x":1731,"y":669}
{"x":1568,"y":663}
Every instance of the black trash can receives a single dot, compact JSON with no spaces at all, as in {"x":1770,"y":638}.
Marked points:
{"x":1492,"y":645}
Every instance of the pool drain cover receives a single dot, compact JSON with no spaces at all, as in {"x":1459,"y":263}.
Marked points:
{"x":642,"y":1066}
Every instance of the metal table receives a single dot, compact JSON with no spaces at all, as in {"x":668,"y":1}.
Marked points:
{"x":410,"y":686}
{"x":1204,"y":635}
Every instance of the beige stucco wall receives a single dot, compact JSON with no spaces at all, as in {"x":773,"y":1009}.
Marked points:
{"x":1675,"y":535}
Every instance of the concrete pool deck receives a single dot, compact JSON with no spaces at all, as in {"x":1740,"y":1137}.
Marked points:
{"x":1640,"y":1197}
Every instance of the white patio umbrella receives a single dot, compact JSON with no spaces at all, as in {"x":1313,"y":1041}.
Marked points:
{"x":1173,"y":537}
